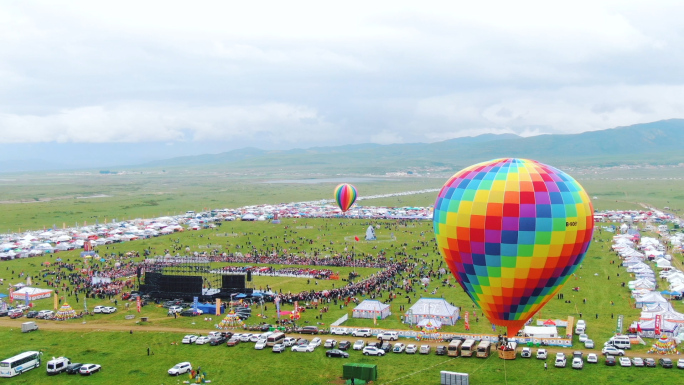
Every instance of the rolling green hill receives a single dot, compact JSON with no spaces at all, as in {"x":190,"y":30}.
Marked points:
{"x":654,"y":143}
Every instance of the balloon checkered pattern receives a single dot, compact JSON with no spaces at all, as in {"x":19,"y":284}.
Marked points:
{"x":512,"y":231}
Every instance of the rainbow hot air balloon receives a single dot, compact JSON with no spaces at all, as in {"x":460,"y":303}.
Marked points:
{"x":512,"y":231}
{"x":345,"y":195}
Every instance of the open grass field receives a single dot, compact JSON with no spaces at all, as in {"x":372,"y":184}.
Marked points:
{"x":105,"y":339}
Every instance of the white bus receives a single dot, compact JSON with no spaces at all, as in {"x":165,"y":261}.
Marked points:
{"x":468,"y":348}
{"x":275,"y":338}
{"x":19,"y":364}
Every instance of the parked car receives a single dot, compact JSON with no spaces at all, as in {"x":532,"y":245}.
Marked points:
{"x":330,"y":344}
{"x":359,"y":345}
{"x":399,"y":347}
{"x":302,"y":342}
{"x":625,"y":362}
{"x":31,"y":314}
{"x":303,"y":348}
{"x":202,"y":340}
{"x":336,"y":353}
{"x":527,"y":352}
{"x":589,"y":344}
{"x":665,"y":363}
{"x":260,"y":345}
{"x":592,"y":358}
{"x":278,"y":348}
{"x":108,"y":310}
{"x":178,"y":369}
{"x":541,"y":354}
{"x":583,"y":337}
{"x":189,"y":339}
{"x":98,"y":309}
{"x":175,"y":309}
{"x":650,"y":362}
{"x":233,"y":341}
{"x":386,"y":346}
{"x":339,"y":331}
{"x":411,"y":349}
{"x":388,"y":336}
{"x":74,"y":368}
{"x":245,"y":337}
{"x":309,"y":330}
{"x":344,"y":345}
{"x":190,"y":313}
{"x":424,"y":349}
{"x":441,"y":350}
{"x":218,"y":340}
{"x":254,"y":337}
{"x":680,"y":363}
{"x":289,"y":341}
{"x":613,"y":351}
{"x":46,"y":314}
{"x":577,"y":363}
{"x":638,"y":362}
{"x":316,"y":342}
{"x":88,"y":369}
{"x":371,"y":351}
{"x":362,"y":333}
{"x":560,"y":360}
{"x":610,"y":361}
{"x":15,"y":313}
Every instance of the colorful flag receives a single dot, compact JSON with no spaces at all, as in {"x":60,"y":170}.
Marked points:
{"x":138,"y":302}
{"x":467,"y":322}
{"x":658,"y":321}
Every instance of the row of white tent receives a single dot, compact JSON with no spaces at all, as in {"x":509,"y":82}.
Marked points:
{"x":635,"y":252}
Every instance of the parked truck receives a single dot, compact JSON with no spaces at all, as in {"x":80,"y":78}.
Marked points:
{"x":28,"y":327}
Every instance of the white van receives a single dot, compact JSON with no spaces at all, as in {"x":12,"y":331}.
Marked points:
{"x":620,"y":342}
{"x":57,"y":365}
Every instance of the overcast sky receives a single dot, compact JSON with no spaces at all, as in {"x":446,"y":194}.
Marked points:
{"x":286,"y":74}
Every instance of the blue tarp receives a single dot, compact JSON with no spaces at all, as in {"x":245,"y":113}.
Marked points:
{"x":209,"y":309}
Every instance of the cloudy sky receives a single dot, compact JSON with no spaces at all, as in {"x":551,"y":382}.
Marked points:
{"x":211,"y":76}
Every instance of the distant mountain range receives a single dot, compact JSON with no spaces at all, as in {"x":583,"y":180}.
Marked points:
{"x":655,"y":143}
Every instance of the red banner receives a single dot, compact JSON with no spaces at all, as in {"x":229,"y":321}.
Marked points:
{"x":139,"y":303}
{"x":11,"y":294}
{"x":658,"y":321}
{"x":467,"y":323}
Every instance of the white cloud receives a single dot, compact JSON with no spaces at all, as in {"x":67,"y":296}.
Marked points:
{"x":146,"y":122}
{"x":313,"y":73}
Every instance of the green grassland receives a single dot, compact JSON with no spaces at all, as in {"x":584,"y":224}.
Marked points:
{"x":123,"y":355}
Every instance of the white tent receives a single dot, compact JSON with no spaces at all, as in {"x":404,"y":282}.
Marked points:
{"x":33,"y":292}
{"x":649,"y":299}
{"x":432,"y":308}
{"x":541,"y":331}
{"x":371,"y":309}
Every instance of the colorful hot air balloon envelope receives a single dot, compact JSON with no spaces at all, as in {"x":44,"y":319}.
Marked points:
{"x":345,"y":195}
{"x":512,"y":231}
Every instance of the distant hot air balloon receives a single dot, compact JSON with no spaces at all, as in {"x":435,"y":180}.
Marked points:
{"x":345,"y":195}
{"x":512,"y":231}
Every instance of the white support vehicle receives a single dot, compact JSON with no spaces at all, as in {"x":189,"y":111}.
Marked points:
{"x":57,"y":365}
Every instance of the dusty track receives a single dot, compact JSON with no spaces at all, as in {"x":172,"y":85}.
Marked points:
{"x":97,"y":327}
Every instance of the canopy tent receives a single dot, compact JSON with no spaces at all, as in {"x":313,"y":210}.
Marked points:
{"x":541,"y":331}
{"x":65,"y":312}
{"x":651,"y":298}
{"x":371,"y":309}
{"x":432,"y":308}
{"x":33,"y":292}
